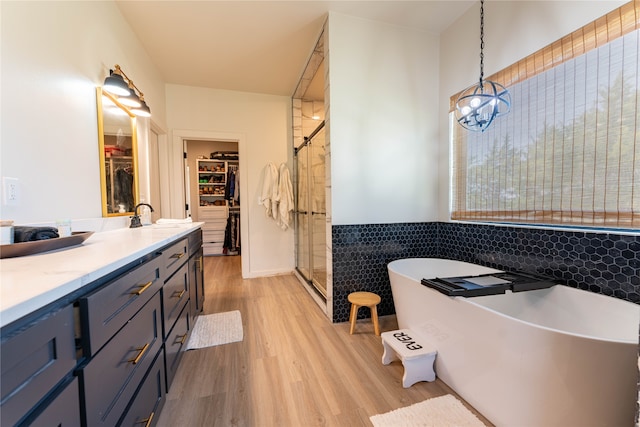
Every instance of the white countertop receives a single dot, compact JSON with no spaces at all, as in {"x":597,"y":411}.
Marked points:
{"x":31,"y":282}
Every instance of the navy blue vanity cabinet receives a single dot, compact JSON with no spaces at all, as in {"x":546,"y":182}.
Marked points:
{"x":37,"y":359}
{"x":113,"y":375}
{"x":149,"y":400}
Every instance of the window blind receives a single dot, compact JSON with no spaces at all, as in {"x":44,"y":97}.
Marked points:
{"x":568,"y":151}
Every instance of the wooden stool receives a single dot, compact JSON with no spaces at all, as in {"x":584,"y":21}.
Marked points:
{"x":364,"y":299}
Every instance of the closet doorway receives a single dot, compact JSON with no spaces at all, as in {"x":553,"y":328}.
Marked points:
{"x":212,"y":193}
{"x":311,"y":214}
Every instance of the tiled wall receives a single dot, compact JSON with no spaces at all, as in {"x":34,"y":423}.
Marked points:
{"x":598,"y":262}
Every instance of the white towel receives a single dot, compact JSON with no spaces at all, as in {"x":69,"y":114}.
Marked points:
{"x":269,"y":195}
{"x":285,"y":197}
{"x":174,"y":221}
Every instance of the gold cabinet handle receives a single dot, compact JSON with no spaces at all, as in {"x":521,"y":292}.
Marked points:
{"x":200,"y":263}
{"x":177,"y":256}
{"x":178,"y":295}
{"x":142,"y":288}
{"x":139,"y":356}
{"x":147,"y":421}
{"x":182,"y":338}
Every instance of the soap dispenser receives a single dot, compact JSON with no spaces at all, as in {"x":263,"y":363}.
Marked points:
{"x":145,"y":213}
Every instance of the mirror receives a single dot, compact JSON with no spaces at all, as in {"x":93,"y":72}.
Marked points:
{"x":118,"y":156}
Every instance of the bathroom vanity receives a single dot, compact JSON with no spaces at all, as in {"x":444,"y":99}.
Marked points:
{"x":93,"y":335}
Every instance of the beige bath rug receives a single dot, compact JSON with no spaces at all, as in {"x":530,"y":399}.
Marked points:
{"x":443,"y":411}
{"x":216,"y":329}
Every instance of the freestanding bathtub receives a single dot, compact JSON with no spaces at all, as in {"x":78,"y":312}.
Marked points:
{"x":550,"y":357}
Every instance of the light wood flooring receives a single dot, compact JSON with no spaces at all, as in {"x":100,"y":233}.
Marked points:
{"x":293,"y":368}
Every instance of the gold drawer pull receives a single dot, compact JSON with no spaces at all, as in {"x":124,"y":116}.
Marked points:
{"x":147,"y":421}
{"x":182,"y":338}
{"x":142,"y":288}
{"x":178,"y":295}
{"x":177,"y":256}
{"x":139,"y":356}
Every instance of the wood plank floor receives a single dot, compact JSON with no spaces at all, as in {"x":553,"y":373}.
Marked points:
{"x":293,"y":368}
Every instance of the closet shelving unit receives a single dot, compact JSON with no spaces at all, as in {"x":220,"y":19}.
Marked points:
{"x":213,"y":208}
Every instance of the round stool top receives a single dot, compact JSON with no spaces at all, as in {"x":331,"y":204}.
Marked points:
{"x":363,"y":298}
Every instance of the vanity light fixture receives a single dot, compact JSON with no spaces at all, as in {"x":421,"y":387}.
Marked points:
{"x":143,"y":110}
{"x":127,"y":94}
{"x":479,"y":104}
{"x":115,"y":83}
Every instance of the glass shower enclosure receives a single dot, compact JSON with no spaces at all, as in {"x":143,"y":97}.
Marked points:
{"x":310,"y":214}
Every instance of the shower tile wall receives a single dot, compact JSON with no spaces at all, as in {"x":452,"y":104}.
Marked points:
{"x":604,"y":263}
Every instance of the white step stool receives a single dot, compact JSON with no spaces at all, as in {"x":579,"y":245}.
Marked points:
{"x":416,"y":354}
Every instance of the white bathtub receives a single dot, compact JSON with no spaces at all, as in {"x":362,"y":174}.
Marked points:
{"x":551,"y":357}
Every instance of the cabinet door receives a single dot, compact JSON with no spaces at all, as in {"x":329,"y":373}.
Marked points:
{"x":113,"y":375}
{"x":146,"y":405}
{"x":196,"y":284}
{"x":63,"y":411}
{"x":33,"y":362}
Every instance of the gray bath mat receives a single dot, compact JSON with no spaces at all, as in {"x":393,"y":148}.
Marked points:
{"x":216,"y":329}
{"x":443,"y":411}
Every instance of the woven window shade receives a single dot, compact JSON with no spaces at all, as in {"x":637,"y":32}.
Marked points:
{"x":568,"y":152}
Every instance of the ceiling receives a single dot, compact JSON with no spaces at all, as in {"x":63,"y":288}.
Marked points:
{"x":258,"y":46}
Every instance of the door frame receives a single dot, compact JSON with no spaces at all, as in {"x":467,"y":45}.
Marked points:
{"x":178,"y":180}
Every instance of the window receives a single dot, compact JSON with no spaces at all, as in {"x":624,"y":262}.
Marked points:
{"x":568,"y":152}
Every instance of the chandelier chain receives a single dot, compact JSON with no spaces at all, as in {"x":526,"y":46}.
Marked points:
{"x":481,"y":41}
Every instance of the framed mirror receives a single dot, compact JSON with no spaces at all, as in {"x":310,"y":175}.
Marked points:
{"x":118,"y":156}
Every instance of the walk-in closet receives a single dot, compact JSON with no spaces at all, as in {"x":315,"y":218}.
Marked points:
{"x":212,"y":177}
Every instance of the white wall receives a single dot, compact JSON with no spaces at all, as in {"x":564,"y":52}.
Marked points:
{"x":513,"y":30}
{"x":54,"y":54}
{"x":263,"y":125}
{"x":383,"y":84}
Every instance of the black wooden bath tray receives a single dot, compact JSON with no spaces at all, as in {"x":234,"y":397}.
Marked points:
{"x":488,"y":284}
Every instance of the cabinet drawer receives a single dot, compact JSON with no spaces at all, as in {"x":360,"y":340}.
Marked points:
{"x":212,"y":212}
{"x":146,"y":406}
{"x":33,"y":362}
{"x":113,"y":375}
{"x":212,"y":248}
{"x":175,"y":294}
{"x":214,"y":225}
{"x":108,"y":309}
{"x":174,"y":256}
{"x":213,"y":236}
{"x":63,"y":411}
{"x":176,"y":342}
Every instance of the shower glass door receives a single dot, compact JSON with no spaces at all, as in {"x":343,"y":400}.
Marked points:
{"x":303,"y":257}
{"x":311,"y":215}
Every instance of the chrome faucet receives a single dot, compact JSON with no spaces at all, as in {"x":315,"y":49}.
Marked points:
{"x":135,"y":219}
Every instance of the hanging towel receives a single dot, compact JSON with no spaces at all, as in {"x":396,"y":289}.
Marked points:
{"x":268,"y":197}
{"x":285,"y":197}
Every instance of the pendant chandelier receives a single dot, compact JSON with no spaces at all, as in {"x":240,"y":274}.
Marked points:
{"x":479,"y":104}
